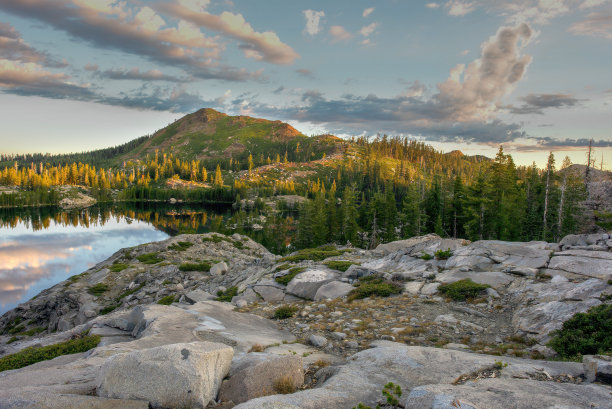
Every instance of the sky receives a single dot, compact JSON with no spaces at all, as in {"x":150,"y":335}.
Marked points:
{"x":532,"y":76}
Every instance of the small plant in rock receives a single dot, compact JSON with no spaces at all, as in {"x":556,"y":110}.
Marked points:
{"x":500,"y":365}
{"x":585,"y":333}
{"x":167,"y":300}
{"x":340,"y":265}
{"x":108,"y":309}
{"x":286,"y":311}
{"x":284,"y":280}
{"x":227,"y":295}
{"x":392,"y":394}
{"x":149,"y":258}
{"x":98,"y":289}
{"x":463,"y":289}
{"x":443,"y":254}
{"x":180,"y":246}
{"x":373,"y":285}
{"x":203,"y":266}
{"x":257,"y":348}
{"x":426,"y":256}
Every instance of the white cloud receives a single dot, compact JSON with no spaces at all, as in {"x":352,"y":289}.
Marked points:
{"x":369,"y":29}
{"x":592,"y":3}
{"x":432,"y":5}
{"x":313,"y":21}
{"x":368,"y":11}
{"x":474,"y":92}
{"x":339,"y":33}
{"x":459,"y":8}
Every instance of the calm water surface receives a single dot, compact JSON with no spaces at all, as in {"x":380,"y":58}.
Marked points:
{"x":41,"y":247}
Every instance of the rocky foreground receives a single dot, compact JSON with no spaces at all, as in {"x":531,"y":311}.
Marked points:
{"x":487,"y":352}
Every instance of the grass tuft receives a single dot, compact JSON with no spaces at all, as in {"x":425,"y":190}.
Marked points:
{"x":167,"y":300}
{"x":98,"y":289}
{"x":180,"y":246}
{"x":33,"y":355}
{"x":316,"y":254}
{"x":340,"y":265}
{"x":373,"y":285}
{"x":227,"y":295}
{"x":286,"y":311}
{"x":203,"y":266}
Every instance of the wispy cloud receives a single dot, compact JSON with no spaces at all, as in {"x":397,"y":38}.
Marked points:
{"x":367,"y":12}
{"x":595,"y":25}
{"x":262,"y":46}
{"x":14,"y":48}
{"x":459,"y":7}
{"x":313,"y":21}
{"x":536,"y":103}
{"x":134,"y":30}
{"x":136,"y":74}
{"x":305,"y":72}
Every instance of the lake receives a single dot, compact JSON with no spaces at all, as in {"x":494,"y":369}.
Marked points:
{"x":40,"y":247}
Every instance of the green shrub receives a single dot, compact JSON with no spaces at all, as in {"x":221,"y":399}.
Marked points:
{"x":218,"y":239}
{"x":32,"y":355}
{"x":284,"y":280}
{"x":316,"y":254}
{"x":13,"y":339}
{"x":180,"y":245}
{"x":585,"y":333}
{"x":373,"y":285}
{"x":426,"y":256}
{"x":340,"y":265}
{"x":167,"y":300}
{"x":463,"y":289}
{"x":98,"y":289}
{"x":149,"y":258}
{"x":286,"y":311}
{"x":392,"y":394}
{"x":204,"y":266}
{"x":117,"y":267}
{"x":443,"y":254}
{"x":17,"y":329}
{"x":227,"y":295}
{"x":109,"y":309}
{"x":282,"y":267}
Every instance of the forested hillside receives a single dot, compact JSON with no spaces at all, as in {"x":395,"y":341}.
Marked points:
{"x":365,"y":191}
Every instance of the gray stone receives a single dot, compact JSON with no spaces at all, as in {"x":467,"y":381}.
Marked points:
{"x":596,"y":264}
{"x":355,"y":271}
{"x":333,"y":290}
{"x":317,"y":341}
{"x":198,"y":295}
{"x":490,"y":255}
{"x":338,"y":336}
{"x":169,"y":376}
{"x":493,"y":278}
{"x":262,"y":378}
{"x":269,"y":293}
{"x":413,"y":287}
{"x":306,"y":284}
{"x":430,"y":288}
{"x":219,"y":269}
{"x":598,"y":368}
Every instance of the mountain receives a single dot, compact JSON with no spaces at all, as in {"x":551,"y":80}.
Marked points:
{"x":206,"y":135}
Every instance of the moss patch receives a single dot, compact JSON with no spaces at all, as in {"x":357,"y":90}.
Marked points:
{"x":150,"y":258}
{"x":316,"y":254}
{"x":167,"y":300}
{"x":340,"y":265}
{"x":374,"y":286}
{"x":227,"y":295}
{"x":98,"y":289}
{"x":180,"y":246}
{"x":32,"y":355}
{"x":204,"y":266}
{"x":284,"y":280}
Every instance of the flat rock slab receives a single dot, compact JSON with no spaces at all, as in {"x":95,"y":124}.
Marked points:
{"x":333,"y":290}
{"x":493,"y":278}
{"x":596,"y":264}
{"x":269,"y":293}
{"x":170,"y":376}
{"x":361,"y":379}
{"x":220,"y":323}
{"x":484,"y":254}
{"x":66,"y":401}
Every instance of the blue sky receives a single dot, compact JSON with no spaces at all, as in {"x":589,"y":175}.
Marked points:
{"x":532,"y":75}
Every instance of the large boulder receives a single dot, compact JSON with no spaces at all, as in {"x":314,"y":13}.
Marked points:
{"x":494,"y":255}
{"x":269,"y":292}
{"x":169,"y":376}
{"x":415,"y":246}
{"x":598,"y":241}
{"x":262,"y":375}
{"x":306,"y":284}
